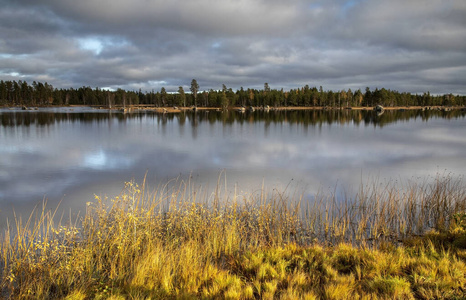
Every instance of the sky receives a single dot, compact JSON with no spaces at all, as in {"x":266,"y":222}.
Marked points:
{"x":409,"y":46}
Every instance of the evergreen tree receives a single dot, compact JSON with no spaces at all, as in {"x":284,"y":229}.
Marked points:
{"x":163,"y":96}
{"x":182,"y":96}
{"x":194,"y":90}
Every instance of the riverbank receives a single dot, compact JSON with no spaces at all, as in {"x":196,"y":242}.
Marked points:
{"x":171,"y":242}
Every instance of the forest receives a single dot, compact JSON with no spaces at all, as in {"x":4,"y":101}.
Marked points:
{"x":20,"y":93}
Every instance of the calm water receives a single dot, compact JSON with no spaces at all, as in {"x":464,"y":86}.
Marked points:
{"x":69,"y":155}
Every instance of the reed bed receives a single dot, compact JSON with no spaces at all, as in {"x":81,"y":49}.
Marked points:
{"x":179,"y":241}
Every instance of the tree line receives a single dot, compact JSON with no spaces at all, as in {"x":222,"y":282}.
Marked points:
{"x":14,"y":93}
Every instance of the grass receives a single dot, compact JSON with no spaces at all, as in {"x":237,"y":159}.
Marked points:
{"x":179,"y":242}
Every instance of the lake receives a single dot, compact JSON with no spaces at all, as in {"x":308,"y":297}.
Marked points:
{"x":69,"y":154}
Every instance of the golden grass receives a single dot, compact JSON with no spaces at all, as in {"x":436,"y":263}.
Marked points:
{"x":173,"y":243}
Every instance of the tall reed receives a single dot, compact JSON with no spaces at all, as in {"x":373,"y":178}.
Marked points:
{"x":388,"y":211}
{"x":173,"y":240}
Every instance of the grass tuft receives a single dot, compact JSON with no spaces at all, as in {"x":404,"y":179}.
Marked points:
{"x":173,"y":243}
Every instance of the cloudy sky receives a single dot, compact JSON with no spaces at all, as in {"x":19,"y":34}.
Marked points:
{"x":413,"y":46}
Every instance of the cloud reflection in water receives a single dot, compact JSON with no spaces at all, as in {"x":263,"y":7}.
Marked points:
{"x":72,"y":157}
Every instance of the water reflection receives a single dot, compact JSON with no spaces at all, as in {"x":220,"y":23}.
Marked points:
{"x":70,"y":155}
{"x":302,"y":117}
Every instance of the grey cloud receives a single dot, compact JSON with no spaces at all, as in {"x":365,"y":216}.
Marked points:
{"x":202,"y":16}
{"x":26,"y":31}
{"x":419,"y":25}
{"x":410,"y":46}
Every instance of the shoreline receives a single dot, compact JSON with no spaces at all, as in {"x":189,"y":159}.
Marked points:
{"x":251,"y":248}
{"x":169,"y":109}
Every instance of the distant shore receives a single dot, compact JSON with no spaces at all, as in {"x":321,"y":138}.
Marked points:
{"x":280,"y":108}
{"x":171,"y":109}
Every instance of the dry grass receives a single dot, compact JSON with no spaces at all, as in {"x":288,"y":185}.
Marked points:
{"x":179,"y":242}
